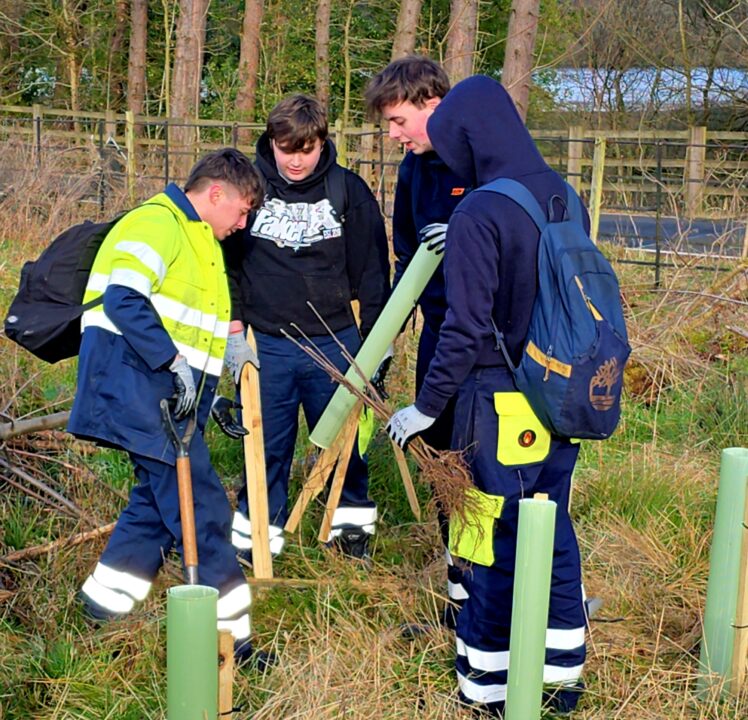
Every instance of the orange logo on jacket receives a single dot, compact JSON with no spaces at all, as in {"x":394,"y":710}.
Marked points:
{"x":456,"y":192}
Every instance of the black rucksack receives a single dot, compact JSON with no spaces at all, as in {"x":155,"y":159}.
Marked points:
{"x":44,"y":316}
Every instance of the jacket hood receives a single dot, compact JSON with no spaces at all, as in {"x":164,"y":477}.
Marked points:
{"x":476,"y":130}
{"x":266,"y":164}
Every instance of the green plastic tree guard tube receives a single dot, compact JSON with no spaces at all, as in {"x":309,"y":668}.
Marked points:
{"x":530,"y":599}
{"x":385,"y":330}
{"x":192,"y":653}
{"x":717,"y":643}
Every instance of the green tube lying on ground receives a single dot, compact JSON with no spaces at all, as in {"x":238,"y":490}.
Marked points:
{"x":720,"y":614}
{"x":530,"y":600}
{"x":385,"y":330}
{"x":192,"y":653}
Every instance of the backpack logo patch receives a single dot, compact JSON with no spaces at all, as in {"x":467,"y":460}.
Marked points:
{"x":602,"y":384}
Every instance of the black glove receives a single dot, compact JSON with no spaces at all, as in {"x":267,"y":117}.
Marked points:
{"x":185,"y":393}
{"x":377,"y":379}
{"x":220,"y":411}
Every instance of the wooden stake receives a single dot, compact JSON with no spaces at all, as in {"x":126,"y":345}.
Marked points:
{"x":315,"y":483}
{"x":410,"y":490}
{"x":254,"y":464}
{"x":225,"y":674}
{"x":348,"y":434}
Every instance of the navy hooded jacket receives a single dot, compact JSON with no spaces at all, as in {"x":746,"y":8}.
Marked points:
{"x":490,"y":262}
{"x":427,"y":192}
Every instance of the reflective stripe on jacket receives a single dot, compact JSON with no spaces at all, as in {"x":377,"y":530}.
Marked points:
{"x":178,"y":265}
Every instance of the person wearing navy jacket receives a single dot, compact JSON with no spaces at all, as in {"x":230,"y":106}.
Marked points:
{"x":490,"y":271}
{"x":160,"y":333}
{"x":404,"y":95}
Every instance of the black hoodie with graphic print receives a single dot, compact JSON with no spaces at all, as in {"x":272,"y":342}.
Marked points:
{"x":295,"y":249}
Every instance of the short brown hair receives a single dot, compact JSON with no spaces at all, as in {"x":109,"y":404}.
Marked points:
{"x":230,"y":166}
{"x":414,"y":79}
{"x":297,"y":121}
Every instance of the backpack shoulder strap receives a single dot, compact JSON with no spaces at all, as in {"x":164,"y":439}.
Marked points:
{"x":521,"y":195}
{"x":336,"y":190}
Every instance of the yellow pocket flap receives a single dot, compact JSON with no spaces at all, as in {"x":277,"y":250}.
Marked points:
{"x":482,"y":504}
{"x":511,"y":403}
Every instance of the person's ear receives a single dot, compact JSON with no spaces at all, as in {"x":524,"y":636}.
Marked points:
{"x":431,"y":103}
{"x":215,"y":193}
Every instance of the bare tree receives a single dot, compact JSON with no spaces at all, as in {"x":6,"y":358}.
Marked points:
{"x":186,"y":74}
{"x":322,"y":52}
{"x":461,"y":39}
{"x":249,"y":63}
{"x":136,"y":62}
{"x":116,"y":74}
{"x":518,"y":56}
{"x":407,"y":25}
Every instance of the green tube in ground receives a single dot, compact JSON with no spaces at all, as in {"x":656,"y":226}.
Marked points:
{"x":385,"y":330}
{"x":715,"y":662}
{"x":192,"y":653}
{"x":530,"y":600}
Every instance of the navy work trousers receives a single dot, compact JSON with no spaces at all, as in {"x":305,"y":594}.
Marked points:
{"x":483,"y":624}
{"x":150,"y":525}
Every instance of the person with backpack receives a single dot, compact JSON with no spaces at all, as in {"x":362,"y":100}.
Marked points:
{"x":160,"y":333}
{"x":491,"y":270}
{"x":404,"y":95}
{"x":318,"y":239}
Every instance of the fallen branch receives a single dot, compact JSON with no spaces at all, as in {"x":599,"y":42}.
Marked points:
{"x":37,"y":550}
{"x":738,"y":331}
{"x":41,"y":486}
{"x":35,"y":424}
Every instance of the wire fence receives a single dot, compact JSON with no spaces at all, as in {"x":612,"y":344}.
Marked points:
{"x":661,"y":198}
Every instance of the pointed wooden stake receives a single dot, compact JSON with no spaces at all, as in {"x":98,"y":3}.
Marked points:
{"x":254,"y":463}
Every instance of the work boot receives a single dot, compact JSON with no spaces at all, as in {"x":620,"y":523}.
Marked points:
{"x":563,"y":699}
{"x":95,"y":613}
{"x":247,"y":657}
{"x":353,"y":541}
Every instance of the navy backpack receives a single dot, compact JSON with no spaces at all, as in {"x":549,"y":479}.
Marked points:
{"x":571,"y":369}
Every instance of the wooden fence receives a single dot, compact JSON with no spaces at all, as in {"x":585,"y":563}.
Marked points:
{"x":692,"y":173}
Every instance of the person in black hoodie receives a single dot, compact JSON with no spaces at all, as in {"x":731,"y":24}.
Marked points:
{"x":491,"y":283}
{"x":297,"y":249}
{"x":404,"y":94}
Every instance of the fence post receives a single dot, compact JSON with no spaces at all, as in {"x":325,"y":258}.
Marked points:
{"x":341,"y":143}
{"x":695,"y":167}
{"x":366,"y":165}
{"x":596,"y":187}
{"x":111,"y":124}
{"x":574,"y":157}
{"x":37,"y":113}
{"x":130,"y":148}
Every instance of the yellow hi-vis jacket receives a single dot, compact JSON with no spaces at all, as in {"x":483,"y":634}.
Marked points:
{"x":160,"y":257}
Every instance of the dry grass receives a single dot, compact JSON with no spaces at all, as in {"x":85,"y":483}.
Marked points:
{"x":643,"y":503}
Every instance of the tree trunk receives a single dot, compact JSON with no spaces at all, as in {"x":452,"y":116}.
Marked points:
{"x":518,"y":57}
{"x":116,"y":78}
{"x":407,"y":26}
{"x":185,"y":82}
{"x":249,"y":63}
{"x":136,"y":62}
{"x":461,"y":39}
{"x":322,"y":52}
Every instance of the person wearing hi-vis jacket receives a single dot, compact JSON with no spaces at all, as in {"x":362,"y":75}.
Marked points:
{"x":490,"y":267}
{"x":160,"y":333}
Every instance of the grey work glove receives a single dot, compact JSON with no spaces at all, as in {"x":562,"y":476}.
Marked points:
{"x":185,"y":393}
{"x":377,"y":379}
{"x":220,"y":411}
{"x":238,"y":353}
{"x":407,"y":423}
{"x":435,"y":236}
